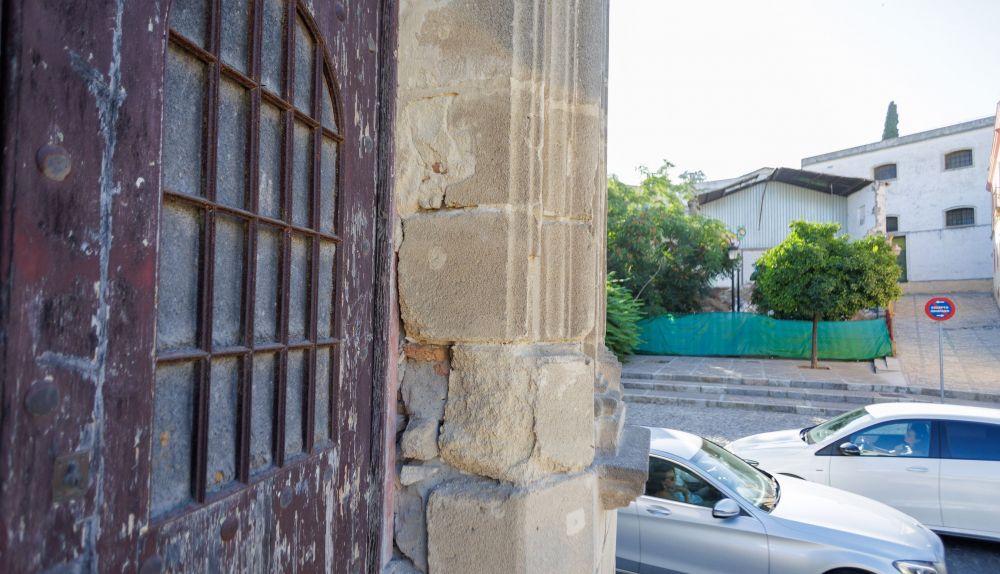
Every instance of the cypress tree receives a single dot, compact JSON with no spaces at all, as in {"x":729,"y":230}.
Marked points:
{"x":891,"y":129}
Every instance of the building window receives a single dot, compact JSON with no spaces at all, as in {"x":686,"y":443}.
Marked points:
{"x":957,"y":159}
{"x":884,"y":172}
{"x":960,"y":216}
{"x":891,"y":223}
{"x":247,"y":345}
{"x":861,"y":215}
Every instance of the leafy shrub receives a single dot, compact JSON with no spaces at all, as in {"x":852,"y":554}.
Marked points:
{"x":623,"y":315}
{"x":665,"y":255}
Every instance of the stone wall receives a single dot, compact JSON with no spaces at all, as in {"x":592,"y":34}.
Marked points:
{"x":512,"y":451}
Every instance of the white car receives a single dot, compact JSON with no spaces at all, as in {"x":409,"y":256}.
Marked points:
{"x":706,"y":511}
{"x":938,"y":463}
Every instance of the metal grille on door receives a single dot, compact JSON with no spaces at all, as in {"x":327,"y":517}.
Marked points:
{"x":247,"y":343}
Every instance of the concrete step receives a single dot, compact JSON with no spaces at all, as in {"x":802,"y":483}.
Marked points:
{"x":757,"y":393}
{"x":915,"y":393}
{"x":887,"y":365}
{"x":813,"y":408}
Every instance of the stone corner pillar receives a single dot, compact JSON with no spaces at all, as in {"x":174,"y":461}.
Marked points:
{"x":514,"y":454}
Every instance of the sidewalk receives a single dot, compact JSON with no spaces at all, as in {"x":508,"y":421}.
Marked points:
{"x":971,"y":343}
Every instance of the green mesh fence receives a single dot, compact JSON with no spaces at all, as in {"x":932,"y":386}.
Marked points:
{"x":751,"y":335}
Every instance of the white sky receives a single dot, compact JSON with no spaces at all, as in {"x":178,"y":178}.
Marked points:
{"x":729,"y":86}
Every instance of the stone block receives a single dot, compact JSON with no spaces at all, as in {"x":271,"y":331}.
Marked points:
{"x":414,"y":473}
{"x":420,"y":439}
{"x":568,"y":280}
{"x":400,"y":565}
{"x":485,"y":118}
{"x":432,"y":152}
{"x":572,"y":149}
{"x":463,"y":275}
{"x":623,"y":474}
{"x":410,"y":527}
{"x":424,"y":391}
{"x":609,"y":368}
{"x":548,"y":527}
{"x":454,"y":43}
{"x":519,"y":412}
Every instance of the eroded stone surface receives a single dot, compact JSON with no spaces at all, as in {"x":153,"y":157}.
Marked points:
{"x":517,"y":413}
{"x":465,"y":516}
{"x":460,"y":278}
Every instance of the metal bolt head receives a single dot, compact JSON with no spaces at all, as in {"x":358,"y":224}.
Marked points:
{"x":70,"y":476}
{"x":54,"y":162}
{"x":42,"y":398}
{"x":228,"y":529}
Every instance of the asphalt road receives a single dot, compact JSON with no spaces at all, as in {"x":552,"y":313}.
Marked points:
{"x":724,"y":425}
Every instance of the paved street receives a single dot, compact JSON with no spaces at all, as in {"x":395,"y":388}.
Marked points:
{"x":724,"y":425}
{"x":971,"y":341}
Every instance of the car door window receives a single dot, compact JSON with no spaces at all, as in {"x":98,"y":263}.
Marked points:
{"x":673,"y":482}
{"x":911,"y":438}
{"x":971,"y":441}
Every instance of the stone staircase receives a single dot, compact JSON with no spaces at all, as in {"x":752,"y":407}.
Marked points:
{"x":815,"y":398}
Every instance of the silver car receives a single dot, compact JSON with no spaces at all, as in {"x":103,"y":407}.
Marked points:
{"x":705,"y":510}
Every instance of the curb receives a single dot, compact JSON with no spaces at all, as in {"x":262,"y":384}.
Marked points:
{"x":975,"y":396}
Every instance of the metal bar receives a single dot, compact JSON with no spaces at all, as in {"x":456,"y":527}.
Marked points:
{"x":180,"y":355}
{"x":208,"y":264}
{"x":250,"y":248}
{"x":283,"y":289}
{"x":289,"y":46}
{"x":244,"y":214}
{"x":315,"y":216}
{"x":189,"y":46}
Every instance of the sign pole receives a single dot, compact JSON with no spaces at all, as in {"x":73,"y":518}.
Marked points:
{"x":941,"y":355}
{"x":940,"y":309}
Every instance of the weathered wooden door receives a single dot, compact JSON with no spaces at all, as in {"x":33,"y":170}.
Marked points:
{"x":187,"y":251}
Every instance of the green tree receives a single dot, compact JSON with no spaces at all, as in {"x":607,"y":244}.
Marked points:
{"x":891,"y":129}
{"x":623,"y":315}
{"x":665,"y":256}
{"x":815,"y":274}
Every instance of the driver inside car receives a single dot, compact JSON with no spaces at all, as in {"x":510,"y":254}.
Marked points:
{"x":915,"y":442}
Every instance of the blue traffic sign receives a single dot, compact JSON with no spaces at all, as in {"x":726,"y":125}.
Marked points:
{"x":940,"y":308}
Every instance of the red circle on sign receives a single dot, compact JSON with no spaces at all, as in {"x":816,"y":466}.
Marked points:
{"x":940,"y":308}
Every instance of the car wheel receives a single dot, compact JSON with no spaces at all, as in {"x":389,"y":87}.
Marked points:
{"x":848,"y":571}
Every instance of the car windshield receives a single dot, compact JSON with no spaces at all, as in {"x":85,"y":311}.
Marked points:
{"x":752,"y":484}
{"x":821,"y":432}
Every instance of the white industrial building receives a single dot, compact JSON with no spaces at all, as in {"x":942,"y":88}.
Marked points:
{"x":936,"y":207}
{"x":993,"y":185}
{"x":763,"y":203}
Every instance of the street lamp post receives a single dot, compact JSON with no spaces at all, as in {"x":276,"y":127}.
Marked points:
{"x":735,"y":276}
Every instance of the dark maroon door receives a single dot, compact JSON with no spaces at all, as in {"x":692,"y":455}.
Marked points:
{"x":187,"y":250}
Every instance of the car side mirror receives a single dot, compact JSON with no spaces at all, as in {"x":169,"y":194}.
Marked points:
{"x":726,"y":508}
{"x":850,"y":449}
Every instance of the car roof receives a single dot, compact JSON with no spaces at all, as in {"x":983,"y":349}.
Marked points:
{"x":674,"y":443}
{"x":936,"y":410}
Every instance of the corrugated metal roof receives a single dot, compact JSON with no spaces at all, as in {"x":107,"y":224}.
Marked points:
{"x":820,"y":182}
